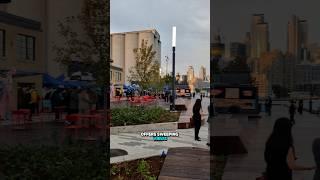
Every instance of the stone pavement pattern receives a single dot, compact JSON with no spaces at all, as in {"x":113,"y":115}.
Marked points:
{"x":256,"y":132}
{"x":142,"y":147}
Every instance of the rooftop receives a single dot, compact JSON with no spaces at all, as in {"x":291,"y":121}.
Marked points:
{"x":141,"y":31}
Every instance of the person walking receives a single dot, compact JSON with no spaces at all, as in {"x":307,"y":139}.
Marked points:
{"x":266,"y":105}
{"x":93,"y":99}
{"x":300,"y":106}
{"x":84,"y":102}
{"x":197,"y":118}
{"x":292,"y":111}
{"x":316,"y":155}
{"x":73,"y":102}
{"x":57,"y":102}
{"x":279,"y":152}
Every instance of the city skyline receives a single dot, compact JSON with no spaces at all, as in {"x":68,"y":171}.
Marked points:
{"x":193,"y":29}
{"x":277,"y":18}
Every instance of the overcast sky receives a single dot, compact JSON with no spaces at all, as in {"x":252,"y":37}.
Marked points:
{"x":233,"y":17}
{"x":191,"y":17}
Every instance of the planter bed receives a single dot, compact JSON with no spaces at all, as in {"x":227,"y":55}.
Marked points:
{"x":146,"y":168}
{"x":141,"y":115}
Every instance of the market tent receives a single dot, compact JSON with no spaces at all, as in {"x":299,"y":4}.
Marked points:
{"x":50,"y":81}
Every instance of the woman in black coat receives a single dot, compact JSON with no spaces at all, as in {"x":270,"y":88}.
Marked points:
{"x":279,"y":152}
{"x":197,"y":118}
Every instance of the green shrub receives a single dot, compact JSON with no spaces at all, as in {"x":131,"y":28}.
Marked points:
{"x":140,"y":115}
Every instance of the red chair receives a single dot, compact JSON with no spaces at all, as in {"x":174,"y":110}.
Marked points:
{"x":19,"y":119}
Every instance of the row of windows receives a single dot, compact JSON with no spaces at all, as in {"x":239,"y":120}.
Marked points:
{"x":115,"y":75}
{"x":25,"y":46}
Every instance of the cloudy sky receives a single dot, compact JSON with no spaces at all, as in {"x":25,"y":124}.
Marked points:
{"x":191,"y":17}
{"x":233,"y":17}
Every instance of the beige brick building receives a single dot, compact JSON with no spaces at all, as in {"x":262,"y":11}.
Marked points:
{"x":121,"y":49}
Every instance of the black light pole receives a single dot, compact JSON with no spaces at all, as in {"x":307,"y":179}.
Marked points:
{"x":173,"y":108}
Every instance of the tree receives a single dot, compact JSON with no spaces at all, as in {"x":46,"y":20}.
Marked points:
{"x":146,"y":70}
{"x":89,"y":44}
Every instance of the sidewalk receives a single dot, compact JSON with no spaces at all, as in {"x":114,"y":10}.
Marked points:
{"x":142,"y":147}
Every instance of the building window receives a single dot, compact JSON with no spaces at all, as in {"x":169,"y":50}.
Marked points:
{"x":111,"y":76}
{"x":2,"y":43}
{"x":25,"y":47}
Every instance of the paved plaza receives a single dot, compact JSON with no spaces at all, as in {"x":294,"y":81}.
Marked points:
{"x":141,"y":147}
{"x":255,"y":134}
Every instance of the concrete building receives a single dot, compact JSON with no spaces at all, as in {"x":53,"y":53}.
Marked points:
{"x":123,"y":44}
{"x":190,"y":73}
{"x":21,"y":52}
{"x":307,"y":74}
{"x":297,"y":36}
{"x":282,"y":73}
{"x":259,"y":36}
{"x":314,"y":53}
{"x":202,"y":73}
{"x":247,"y":42}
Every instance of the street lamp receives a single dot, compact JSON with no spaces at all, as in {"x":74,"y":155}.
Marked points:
{"x":173,"y":67}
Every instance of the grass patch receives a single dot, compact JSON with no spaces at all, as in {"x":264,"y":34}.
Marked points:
{"x":141,"y":115}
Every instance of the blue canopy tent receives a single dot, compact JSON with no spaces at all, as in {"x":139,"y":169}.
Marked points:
{"x":50,"y":81}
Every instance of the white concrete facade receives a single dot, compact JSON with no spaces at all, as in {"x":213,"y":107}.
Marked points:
{"x":123,"y":44}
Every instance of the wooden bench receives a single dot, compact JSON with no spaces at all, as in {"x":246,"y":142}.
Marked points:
{"x":186,"y":163}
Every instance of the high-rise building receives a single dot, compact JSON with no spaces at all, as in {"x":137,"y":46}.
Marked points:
{"x":202,"y":73}
{"x":190,"y":74}
{"x":297,"y":37}
{"x":247,"y":42}
{"x":122,"y":49}
{"x":259,"y":36}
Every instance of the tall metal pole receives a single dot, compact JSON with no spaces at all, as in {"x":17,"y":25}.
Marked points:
{"x":173,"y":68}
{"x":173,"y":78}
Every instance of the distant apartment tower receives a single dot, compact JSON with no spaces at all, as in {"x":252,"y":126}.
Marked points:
{"x":123,"y":44}
{"x":202,"y":73}
{"x":247,"y":42}
{"x":190,"y":73}
{"x":259,"y":36}
{"x":237,"y":50}
{"x":297,"y":37}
